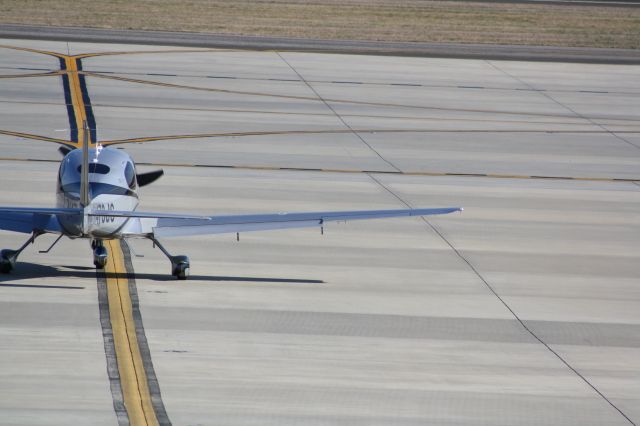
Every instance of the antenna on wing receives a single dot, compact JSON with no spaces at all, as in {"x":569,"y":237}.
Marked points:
{"x":84,"y":175}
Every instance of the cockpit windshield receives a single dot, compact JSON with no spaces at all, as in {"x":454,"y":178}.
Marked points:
{"x":101,"y":169}
{"x":130,"y":175}
{"x":70,"y":170}
{"x":113,"y":173}
{"x":68,"y":174}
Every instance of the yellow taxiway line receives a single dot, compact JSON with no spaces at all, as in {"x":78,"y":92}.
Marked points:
{"x":133,"y":379}
{"x":79,"y":109}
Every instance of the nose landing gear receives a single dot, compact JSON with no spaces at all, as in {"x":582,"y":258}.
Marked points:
{"x":100,"y":254}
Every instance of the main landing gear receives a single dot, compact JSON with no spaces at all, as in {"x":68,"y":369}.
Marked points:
{"x":179,"y":264}
{"x":8,"y":257}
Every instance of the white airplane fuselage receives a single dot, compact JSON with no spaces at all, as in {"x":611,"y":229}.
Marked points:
{"x":112,"y":187}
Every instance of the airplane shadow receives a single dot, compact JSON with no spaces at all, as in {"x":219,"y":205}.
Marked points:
{"x":25,"y":270}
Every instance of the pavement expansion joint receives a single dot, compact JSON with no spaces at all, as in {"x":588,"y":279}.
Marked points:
{"x":342,"y":120}
{"x":486,"y":283}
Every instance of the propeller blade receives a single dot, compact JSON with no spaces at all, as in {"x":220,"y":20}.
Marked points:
{"x":64,"y":150}
{"x":149,"y":177}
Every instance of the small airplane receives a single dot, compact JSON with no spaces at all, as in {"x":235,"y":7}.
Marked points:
{"x":97,"y":200}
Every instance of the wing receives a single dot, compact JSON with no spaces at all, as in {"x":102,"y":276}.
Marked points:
{"x":162,"y":225}
{"x":26,"y":219}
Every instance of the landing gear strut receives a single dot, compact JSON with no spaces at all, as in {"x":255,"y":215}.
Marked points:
{"x":8,"y":257}
{"x":179,"y":264}
{"x":100,"y":254}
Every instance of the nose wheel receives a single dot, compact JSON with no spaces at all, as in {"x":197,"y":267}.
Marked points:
{"x":100,"y":254}
{"x":100,"y":257}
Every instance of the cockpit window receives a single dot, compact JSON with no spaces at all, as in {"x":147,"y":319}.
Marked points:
{"x":68,"y":173}
{"x":130,"y":175}
{"x":63,"y":167}
{"x":102,"y":169}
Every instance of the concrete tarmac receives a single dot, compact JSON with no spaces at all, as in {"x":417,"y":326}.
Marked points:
{"x":523,"y":310}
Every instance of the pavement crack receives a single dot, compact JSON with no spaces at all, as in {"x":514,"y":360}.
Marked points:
{"x":354,"y":132}
{"x":568,"y":108}
{"x":504,"y":303}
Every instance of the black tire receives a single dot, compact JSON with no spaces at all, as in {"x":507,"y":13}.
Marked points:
{"x":100,"y":257}
{"x":5,"y":266}
{"x":182,"y":271}
{"x":6,"y":261}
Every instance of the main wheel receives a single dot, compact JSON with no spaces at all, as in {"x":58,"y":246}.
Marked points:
{"x":6,"y":263}
{"x":182,"y":271}
{"x":5,"y":266}
{"x":180,"y":267}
